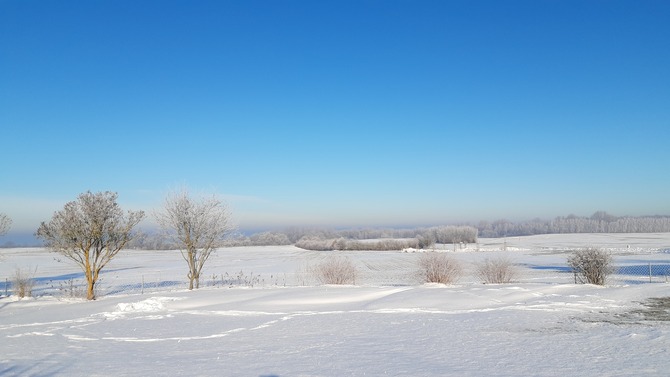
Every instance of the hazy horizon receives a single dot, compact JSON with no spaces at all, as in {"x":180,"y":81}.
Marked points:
{"x":337,"y":114}
{"x":27,"y":238}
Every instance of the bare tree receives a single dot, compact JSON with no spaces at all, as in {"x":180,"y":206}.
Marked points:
{"x":5,"y":224}
{"x":197,"y":226}
{"x":90,"y":231}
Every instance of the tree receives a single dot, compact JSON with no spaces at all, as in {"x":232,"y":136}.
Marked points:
{"x":90,"y":231}
{"x":197,"y":226}
{"x":5,"y":224}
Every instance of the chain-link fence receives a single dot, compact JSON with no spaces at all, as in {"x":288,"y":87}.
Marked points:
{"x":639,"y":273}
{"x":391,"y":271}
{"x":160,"y":281}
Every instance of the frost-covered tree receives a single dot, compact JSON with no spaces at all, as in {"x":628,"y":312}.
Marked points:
{"x":5,"y":224}
{"x":90,"y":231}
{"x":454,"y":234}
{"x":599,"y":222}
{"x":197,"y":226}
{"x":269,"y":239}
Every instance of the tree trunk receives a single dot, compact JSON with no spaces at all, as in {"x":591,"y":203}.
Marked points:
{"x":90,"y":291}
{"x":90,"y":295}
{"x":193,"y":275}
{"x":91,"y":279}
{"x":90,"y":285}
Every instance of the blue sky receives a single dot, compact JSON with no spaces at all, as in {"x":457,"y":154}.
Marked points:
{"x":338,"y":113}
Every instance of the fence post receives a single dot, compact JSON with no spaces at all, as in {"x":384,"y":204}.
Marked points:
{"x":650,"y":272}
{"x":6,"y":285}
{"x":142,"y":284}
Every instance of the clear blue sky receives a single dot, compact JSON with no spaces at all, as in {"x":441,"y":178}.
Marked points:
{"x":338,"y":113}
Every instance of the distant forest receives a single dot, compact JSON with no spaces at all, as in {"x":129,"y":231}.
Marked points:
{"x":599,"y":222}
{"x":351,"y":239}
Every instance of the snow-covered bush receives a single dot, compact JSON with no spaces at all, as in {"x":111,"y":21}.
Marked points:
{"x":336,"y":270}
{"x":439,"y":268}
{"x":498,"y":270}
{"x":315,"y":244}
{"x":591,"y":265}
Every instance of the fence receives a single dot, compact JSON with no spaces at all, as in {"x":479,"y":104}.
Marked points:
{"x":641,"y":273}
{"x":74,"y":285}
{"x":160,"y":281}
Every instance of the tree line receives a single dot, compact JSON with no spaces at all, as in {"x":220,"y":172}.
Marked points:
{"x":330,"y":239}
{"x":395,"y":239}
{"x":599,"y":222}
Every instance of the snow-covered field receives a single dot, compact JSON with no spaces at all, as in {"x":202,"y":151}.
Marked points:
{"x":387,"y":324}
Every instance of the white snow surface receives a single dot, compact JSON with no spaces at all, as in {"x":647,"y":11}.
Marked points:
{"x":542,"y":325}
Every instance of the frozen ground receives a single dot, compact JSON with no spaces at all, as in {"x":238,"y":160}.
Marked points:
{"x":387,"y":324}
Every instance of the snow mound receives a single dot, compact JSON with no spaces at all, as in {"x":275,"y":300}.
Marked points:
{"x":150,"y":305}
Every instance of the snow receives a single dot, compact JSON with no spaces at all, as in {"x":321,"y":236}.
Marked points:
{"x":386,"y":324}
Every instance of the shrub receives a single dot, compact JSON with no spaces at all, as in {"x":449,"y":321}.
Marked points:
{"x":425,"y":241}
{"x":315,"y":244}
{"x":23,"y":283}
{"x":591,"y":265}
{"x":439,"y":268}
{"x":498,"y":270}
{"x":336,"y":270}
{"x":72,"y":288}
